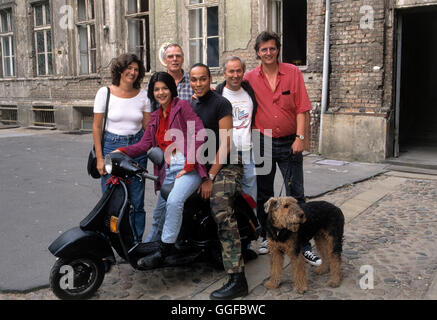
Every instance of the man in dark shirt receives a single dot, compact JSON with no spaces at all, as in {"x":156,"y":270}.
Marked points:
{"x":224,"y":179}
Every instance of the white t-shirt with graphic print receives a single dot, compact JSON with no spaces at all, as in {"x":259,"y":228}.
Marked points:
{"x":242,"y":109}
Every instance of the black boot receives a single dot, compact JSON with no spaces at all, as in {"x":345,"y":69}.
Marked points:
{"x":236,"y":287}
{"x":156,"y":258}
{"x":248,"y":254}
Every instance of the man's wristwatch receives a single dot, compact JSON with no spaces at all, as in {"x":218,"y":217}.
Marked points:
{"x":211,"y":177}
{"x":300,"y":137}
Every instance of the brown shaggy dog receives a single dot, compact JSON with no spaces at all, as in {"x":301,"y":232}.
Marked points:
{"x":289,"y":225}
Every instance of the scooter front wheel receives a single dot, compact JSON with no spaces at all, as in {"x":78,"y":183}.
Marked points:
{"x":76,"y":278}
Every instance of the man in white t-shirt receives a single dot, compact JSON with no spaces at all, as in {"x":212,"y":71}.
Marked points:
{"x":244,"y":105}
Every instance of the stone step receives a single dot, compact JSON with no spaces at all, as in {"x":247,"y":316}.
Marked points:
{"x":424,"y":169}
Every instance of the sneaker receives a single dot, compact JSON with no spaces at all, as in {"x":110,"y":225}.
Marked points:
{"x":263,"y":247}
{"x":312,"y":258}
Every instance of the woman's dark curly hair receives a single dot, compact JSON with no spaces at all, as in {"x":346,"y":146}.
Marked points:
{"x":162,"y":77}
{"x":121,"y":63}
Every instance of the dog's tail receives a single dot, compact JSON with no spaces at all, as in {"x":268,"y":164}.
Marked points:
{"x":339,"y":232}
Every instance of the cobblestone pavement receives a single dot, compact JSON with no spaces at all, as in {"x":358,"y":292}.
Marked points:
{"x":395,"y":236}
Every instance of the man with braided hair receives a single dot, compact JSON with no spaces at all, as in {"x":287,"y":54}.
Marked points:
{"x":224,"y":179}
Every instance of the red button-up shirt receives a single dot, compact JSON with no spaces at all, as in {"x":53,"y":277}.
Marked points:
{"x":163,"y":127}
{"x":277,"y":109}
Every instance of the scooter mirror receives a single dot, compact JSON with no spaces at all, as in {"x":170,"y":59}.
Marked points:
{"x":156,"y":155}
{"x":121,"y":165}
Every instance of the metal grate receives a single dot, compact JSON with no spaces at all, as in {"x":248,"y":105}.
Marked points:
{"x":43,"y":116}
{"x":8,"y":115}
{"x":86,"y":119}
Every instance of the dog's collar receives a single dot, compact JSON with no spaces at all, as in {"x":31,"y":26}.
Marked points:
{"x":280,"y":235}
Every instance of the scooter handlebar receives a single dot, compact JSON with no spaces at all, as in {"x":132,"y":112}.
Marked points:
{"x":149,"y":176}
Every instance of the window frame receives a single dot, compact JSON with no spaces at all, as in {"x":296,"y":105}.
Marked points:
{"x":12,"y":50}
{"x":144,"y":17}
{"x":204,"y":5}
{"x":275,"y":16}
{"x":45,"y":27}
{"x":89,"y":24}
{"x":275,"y":23}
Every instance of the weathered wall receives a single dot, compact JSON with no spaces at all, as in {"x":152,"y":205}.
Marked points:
{"x":357,"y":57}
{"x":164,"y":32}
{"x":355,"y":125}
{"x":354,"y":137}
{"x":412,"y":3}
{"x":361,"y":61}
{"x":238,"y":24}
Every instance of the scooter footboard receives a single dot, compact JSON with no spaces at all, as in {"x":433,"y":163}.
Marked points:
{"x":76,"y":242}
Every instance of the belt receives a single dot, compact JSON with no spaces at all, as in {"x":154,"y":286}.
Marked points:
{"x":129,"y":136}
{"x":293,"y":136}
{"x":285,"y":138}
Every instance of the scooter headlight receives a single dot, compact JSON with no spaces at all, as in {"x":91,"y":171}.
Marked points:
{"x":108,"y":164}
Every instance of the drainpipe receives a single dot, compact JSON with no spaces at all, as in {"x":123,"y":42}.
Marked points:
{"x":325,"y":83}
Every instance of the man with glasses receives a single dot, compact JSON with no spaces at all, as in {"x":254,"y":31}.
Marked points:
{"x":174,"y":60}
{"x":282,"y":118}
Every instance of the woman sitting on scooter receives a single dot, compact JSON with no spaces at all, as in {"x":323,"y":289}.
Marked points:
{"x":181,"y":166}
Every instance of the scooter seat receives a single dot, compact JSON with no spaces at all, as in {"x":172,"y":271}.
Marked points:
{"x":165,"y":190}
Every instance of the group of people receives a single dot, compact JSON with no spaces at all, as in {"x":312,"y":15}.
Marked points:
{"x":270,"y":98}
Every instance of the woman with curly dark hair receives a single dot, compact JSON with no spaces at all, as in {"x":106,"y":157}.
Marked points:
{"x":128,"y":115}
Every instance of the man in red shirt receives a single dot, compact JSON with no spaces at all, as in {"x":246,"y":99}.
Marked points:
{"x":283,"y":110}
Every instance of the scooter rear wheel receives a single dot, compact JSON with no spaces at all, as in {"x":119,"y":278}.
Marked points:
{"x":76,"y":278}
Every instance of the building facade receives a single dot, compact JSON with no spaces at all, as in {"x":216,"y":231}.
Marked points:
{"x":56,"y":54}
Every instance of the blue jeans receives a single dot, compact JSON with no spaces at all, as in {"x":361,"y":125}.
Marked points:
{"x":167,"y":216}
{"x":248,"y":181}
{"x":291,"y":166}
{"x":136,"y":187}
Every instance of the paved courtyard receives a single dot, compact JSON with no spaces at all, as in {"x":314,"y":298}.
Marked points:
{"x":389,"y":247}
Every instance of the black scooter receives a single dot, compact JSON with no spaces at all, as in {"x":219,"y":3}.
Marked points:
{"x":85,"y":253}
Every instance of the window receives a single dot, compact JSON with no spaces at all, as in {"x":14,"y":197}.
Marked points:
{"x":8,"y":115}
{"x":203,"y":20}
{"x":289,"y":20}
{"x":43,"y":39}
{"x":7,"y":43}
{"x":86,"y":29}
{"x":138,"y":28}
{"x":43,"y":116}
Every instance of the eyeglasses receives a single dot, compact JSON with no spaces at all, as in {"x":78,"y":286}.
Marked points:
{"x":272,"y":50}
{"x":171,"y":56}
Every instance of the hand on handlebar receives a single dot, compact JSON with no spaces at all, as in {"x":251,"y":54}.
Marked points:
{"x":101,"y":166}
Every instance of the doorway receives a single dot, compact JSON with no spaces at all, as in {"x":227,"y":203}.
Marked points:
{"x":416,"y":93}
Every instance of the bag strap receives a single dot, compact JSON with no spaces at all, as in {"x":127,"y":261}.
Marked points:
{"x":108,"y":95}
